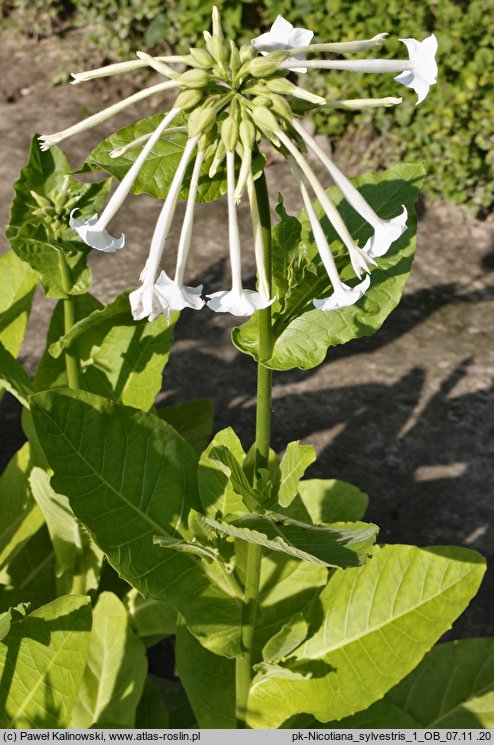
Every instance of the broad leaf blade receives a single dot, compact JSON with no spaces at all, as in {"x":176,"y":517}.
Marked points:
{"x":452,"y":688}
{"x":378,"y":622}
{"x":116,"y":668}
{"x":293,"y":465}
{"x":17,"y":284}
{"x":340,"y":545}
{"x":140,"y":470}
{"x":13,"y":377}
{"x":43,"y":657}
{"x":193,"y":420}
{"x":216,"y":492}
{"x":21,"y":517}
{"x":120,"y":359}
{"x":302,"y":334}
{"x":323,"y":501}
{"x":77,"y":555}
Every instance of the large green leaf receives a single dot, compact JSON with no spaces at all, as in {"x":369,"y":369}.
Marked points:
{"x":78,"y":559}
{"x":40,"y":236}
{"x":294,"y":463}
{"x":45,"y":255}
{"x":21,"y":518}
{"x":159,"y":169}
{"x":339,"y":545}
{"x":286,"y":587}
{"x":130,"y":477}
{"x":151,"y":712}
{"x":17,"y":284}
{"x":30,"y":576}
{"x":452,"y":688}
{"x":302,"y":334}
{"x":13,"y":377}
{"x":372,"y":627}
{"x":151,"y":619}
{"x":120,"y":359}
{"x":323,"y":501}
{"x":116,"y":668}
{"x":42,"y":661}
{"x":217,"y":495}
{"x":193,"y":420}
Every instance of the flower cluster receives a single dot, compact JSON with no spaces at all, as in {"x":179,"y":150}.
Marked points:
{"x":234,"y":98}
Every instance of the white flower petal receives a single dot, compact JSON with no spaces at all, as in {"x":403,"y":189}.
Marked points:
{"x":146,"y":303}
{"x":177,"y":296}
{"x":283,"y":36}
{"x":343,"y":296}
{"x":99,"y":239}
{"x":238,"y":303}
{"x":423,"y":72}
{"x":386,"y":232}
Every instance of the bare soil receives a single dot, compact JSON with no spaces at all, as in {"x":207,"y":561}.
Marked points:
{"x":407,"y":415}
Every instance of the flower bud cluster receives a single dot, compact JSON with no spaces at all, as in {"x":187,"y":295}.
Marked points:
{"x":54,"y":209}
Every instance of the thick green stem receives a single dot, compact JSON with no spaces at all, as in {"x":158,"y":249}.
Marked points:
{"x":263,"y":433}
{"x":72,"y":370}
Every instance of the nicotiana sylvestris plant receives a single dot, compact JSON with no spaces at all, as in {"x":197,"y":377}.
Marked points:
{"x":125,"y":523}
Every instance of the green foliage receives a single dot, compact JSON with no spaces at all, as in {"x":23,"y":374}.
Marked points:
{"x":302,"y":334}
{"x":43,"y":658}
{"x":378,"y":622}
{"x":144,"y":472}
{"x":115,"y":657}
{"x":452,"y":688}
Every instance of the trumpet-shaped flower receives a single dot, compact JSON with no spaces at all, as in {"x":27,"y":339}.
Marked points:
{"x":386,"y":231}
{"x":283,"y":36}
{"x":423,"y":72}
{"x":342,"y":294}
{"x":237,"y":301}
{"x":94,"y":236}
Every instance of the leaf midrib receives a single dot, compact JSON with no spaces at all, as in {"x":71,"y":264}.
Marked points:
{"x":387,"y":622}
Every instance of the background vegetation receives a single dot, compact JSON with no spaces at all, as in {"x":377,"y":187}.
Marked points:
{"x":451,"y":132}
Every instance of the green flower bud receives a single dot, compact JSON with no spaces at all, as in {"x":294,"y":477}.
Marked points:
{"x":261,"y":67}
{"x":193,"y":79}
{"x":234,"y":58}
{"x":285,"y":88}
{"x":218,"y":157}
{"x":247,"y":133}
{"x":229,"y":133}
{"x":219,"y":50}
{"x":201,"y":58}
{"x":216,"y":23}
{"x":188,"y":100}
{"x":201,"y":120}
{"x":208,"y":142}
{"x":247,"y":52}
{"x":281,"y":107}
{"x":40,"y":200}
{"x":265,"y":120}
{"x":261,"y":101}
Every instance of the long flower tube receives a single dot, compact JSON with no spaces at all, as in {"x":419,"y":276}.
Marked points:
{"x":385,"y":231}
{"x":343,"y":295}
{"x":173,"y":291}
{"x":258,"y":239}
{"x":93,"y":231}
{"x":118,"y":69}
{"x":145,"y":301}
{"x":119,"y":151}
{"x":419,"y":72}
{"x":237,"y":301}
{"x":47,"y":141}
{"x":360,"y":261}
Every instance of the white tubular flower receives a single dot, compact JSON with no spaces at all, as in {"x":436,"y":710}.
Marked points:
{"x":424,"y":70}
{"x":119,"y":151}
{"x":385,"y":231}
{"x":283,"y":36}
{"x":258,"y":239}
{"x":117,"y":69}
{"x":172,"y":291}
{"x":237,"y":301}
{"x":47,"y":141}
{"x":343,"y":295}
{"x":93,"y":231}
{"x":146,"y":300}
{"x":418,"y":73}
{"x":360,"y":261}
